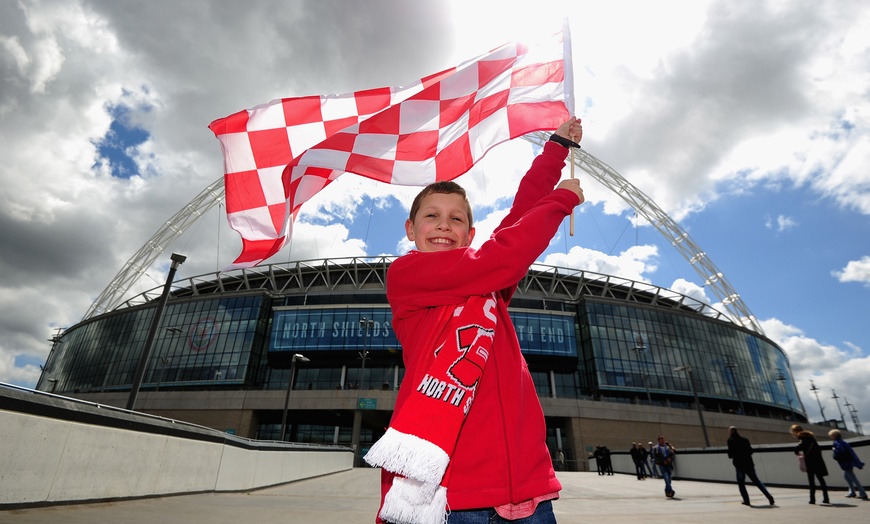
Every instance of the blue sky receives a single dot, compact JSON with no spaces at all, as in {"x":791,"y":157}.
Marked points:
{"x":745,"y":122}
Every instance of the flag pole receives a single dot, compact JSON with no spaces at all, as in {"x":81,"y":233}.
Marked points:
{"x":568,"y":65}
{"x":571,"y":229}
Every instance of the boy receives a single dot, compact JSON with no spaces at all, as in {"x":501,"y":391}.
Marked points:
{"x":449,"y":306}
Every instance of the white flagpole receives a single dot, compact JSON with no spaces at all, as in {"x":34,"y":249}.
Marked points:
{"x":568,"y":68}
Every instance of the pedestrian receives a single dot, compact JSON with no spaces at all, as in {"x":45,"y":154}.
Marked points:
{"x":636,"y":457}
{"x":740,"y":453}
{"x":644,"y":460}
{"x":449,"y":303}
{"x":608,"y":460}
{"x":848,"y":461}
{"x":599,"y":460}
{"x":655,"y":469}
{"x":663,"y":455}
{"x":815,"y":464}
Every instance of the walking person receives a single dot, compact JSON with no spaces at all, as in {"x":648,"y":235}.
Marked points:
{"x":636,"y":457}
{"x":663,"y":455}
{"x":740,"y":453}
{"x":848,"y":461}
{"x":815,"y":463}
{"x":608,"y":462}
{"x":644,"y":460}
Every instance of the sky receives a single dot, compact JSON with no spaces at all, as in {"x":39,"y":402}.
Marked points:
{"x":746,"y":122}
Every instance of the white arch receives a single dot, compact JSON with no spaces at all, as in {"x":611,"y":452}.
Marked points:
{"x":133,"y":270}
{"x":112,"y":296}
{"x":680,"y":239}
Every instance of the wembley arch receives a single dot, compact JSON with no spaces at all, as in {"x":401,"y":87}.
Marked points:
{"x":714,"y":279}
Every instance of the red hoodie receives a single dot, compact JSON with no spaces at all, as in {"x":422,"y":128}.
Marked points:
{"x":501,"y":456}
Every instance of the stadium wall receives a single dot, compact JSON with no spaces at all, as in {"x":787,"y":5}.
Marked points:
{"x":59,"y":450}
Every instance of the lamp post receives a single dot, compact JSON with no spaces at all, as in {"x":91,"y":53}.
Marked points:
{"x":364,"y":323}
{"x":688,"y":370}
{"x":782,"y":379}
{"x":300,"y":358}
{"x":177,"y":260}
{"x":732,"y":366}
{"x":837,"y":399}
{"x":639,"y":348}
{"x":815,"y":391}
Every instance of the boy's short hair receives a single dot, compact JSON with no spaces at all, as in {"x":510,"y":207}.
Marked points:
{"x":835,"y":434}
{"x":445,"y":187}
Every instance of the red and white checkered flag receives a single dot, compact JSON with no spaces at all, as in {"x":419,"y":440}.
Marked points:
{"x":278,"y":155}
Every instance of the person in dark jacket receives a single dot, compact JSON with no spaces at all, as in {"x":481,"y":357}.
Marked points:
{"x":740,"y":453}
{"x":599,"y":459}
{"x":816,"y":468}
{"x":636,"y":457}
{"x":608,"y":461}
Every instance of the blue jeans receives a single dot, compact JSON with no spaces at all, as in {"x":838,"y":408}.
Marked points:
{"x":667,"y":471}
{"x":853,"y":483}
{"x":543,"y":515}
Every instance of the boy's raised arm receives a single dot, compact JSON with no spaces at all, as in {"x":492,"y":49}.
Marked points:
{"x":545,"y":171}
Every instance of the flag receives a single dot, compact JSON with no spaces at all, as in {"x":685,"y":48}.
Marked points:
{"x":280,"y":154}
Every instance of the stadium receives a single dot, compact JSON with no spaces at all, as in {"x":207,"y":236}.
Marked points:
{"x":310,"y":343}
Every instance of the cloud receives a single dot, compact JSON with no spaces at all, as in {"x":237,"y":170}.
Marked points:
{"x":702,"y":123}
{"x":831,"y":368}
{"x":855,"y":271}
{"x":693,"y":290}
{"x":631,"y":264}
{"x":67,"y":225}
{"x":781,"y":223}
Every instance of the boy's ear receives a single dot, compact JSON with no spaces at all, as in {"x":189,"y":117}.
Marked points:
{"x":409,"y":229}
{"x":470,"y":237}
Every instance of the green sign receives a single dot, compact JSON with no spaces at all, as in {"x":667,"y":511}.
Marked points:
{"x":367,"y":403}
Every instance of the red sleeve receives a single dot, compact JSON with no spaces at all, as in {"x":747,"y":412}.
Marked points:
{"x":538,"y":182}
{"x":421,"y":280}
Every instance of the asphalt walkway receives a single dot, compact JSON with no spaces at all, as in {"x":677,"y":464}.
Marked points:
{"x":352,"y":497}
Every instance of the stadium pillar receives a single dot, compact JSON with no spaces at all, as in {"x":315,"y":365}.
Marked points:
{"x":355,"y":437}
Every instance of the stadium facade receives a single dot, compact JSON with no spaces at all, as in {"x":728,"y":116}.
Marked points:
{"x":611,"y":358}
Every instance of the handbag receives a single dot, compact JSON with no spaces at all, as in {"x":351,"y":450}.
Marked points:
{"x":802,"y":463}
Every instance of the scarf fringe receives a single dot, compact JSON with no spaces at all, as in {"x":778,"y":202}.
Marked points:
{"x":412,"y":502}
{"x":409,"y":456}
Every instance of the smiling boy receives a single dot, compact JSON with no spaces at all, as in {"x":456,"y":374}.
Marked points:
{"x":488,"y":459}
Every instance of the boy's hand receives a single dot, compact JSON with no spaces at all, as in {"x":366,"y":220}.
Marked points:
{"x":571,"y":129}
{"x":573,"y":185}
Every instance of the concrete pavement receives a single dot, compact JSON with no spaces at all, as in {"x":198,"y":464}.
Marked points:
{"x":351,"y":497}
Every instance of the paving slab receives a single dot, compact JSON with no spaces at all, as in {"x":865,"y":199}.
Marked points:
{"x":352,"y":497}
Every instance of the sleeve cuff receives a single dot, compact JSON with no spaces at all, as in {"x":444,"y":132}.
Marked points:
{"x":562,"y":141}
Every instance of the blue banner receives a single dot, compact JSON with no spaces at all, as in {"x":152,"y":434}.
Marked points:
{"x":343,"y":329}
